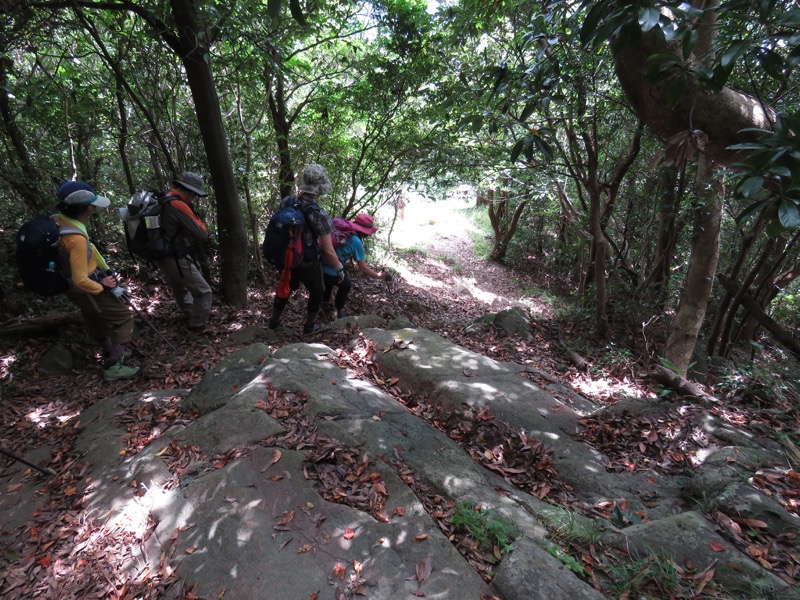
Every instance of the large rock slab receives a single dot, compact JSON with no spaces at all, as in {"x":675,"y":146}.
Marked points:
{"x":453,"y":376}
{"x":689,"y":539}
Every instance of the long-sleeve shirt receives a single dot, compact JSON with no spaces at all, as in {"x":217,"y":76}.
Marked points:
{"x":83,"y":259}
{"x":181,"y":225}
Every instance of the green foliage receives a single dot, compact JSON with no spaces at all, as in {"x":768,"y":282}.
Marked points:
{"x":565,"y":558}
{"x":653,"y":576}
{"x":613,"y":359}
{"x":569,"y":529}
{"x":481,"y":239}
{"x":485,"y":526}
{"x":770,"y":175}
{"x":755,"y":385}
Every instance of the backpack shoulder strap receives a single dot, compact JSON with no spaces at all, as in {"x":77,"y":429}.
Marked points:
{"x":69,"y":229}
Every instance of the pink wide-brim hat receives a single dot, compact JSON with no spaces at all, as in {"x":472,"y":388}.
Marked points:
{"x":364,"y":223}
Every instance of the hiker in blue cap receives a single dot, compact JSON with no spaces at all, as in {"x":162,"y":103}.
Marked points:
{"x":92,"y":286}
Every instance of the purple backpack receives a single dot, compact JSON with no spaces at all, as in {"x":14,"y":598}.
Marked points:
{"x":343,"y":229}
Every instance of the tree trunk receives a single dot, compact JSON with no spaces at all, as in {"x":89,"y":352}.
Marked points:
{"x":726,"y":311}
{"x":656,"y":283}
{"x":720,"y":115}
{"x":280,"y":123}
{"x":42,"y":324}
{"x":122,"y":144}
{"x":702,"y":267}
{"x":230,"y":223}
{"x":26,"y":179}
{"x":767,"y":283}
{"x":780,"y":334}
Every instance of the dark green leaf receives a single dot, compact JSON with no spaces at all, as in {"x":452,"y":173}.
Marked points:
{"x":750,"y":186}
{"x":733,"y":53}
{"x":661,"y":62}
{"x":751,"y":210}
{"x":781,"y":171}
{"x":591,"y":23}
{"x":531,"y":106}
{"x":543,"y":147}
{"x":772,"y":63}
{"x":517,"y":150}
{"x":648,"y":17}
{"x":791,"y":18}
{"x":788,"y":215}
{"x":689,"y":42}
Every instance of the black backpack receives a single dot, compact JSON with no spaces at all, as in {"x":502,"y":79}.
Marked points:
{"x":289,"y":237}
{"x":142,"y":224}
{"x":38,"y":256}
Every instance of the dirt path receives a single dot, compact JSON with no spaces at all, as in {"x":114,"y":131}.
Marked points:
{"x":438,"y":238}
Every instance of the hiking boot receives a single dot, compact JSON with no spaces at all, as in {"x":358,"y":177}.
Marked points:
{"x":120,"y":371}
{"x":273,"y":324}
{"x":311,"y":330}
{"x":326,"y":307}
{"x":118,"y":353}
{"x":198,"y":328}
{"x":341,"y":313}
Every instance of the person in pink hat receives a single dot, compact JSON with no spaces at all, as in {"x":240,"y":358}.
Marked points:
{"x":364,"y":226}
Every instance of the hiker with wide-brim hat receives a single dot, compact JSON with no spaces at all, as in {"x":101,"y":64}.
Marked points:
{"x":363,"y":226}
{"x":93,"y":287}
{"x":182,"y":227}
{"x":314,"y":182}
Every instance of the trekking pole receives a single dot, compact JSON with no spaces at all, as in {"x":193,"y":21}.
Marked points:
{"x":25,"y":462}
{"x":127,"y":300}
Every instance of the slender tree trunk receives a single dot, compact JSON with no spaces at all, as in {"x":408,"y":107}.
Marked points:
{"x":726,"y":312}
{"x":26,"y":181}
{"x":656,"y":283}
{"x":702,"y":268}
{"x":122,"y":144}
{"x":768,"y":284}
{"x":780,"y":334}
{"x":281,"y":126}
{"x":599,"y":243}
{"x":230,"y":223}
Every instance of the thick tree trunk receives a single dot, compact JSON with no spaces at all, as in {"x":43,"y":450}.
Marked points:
{"x":720,"y":115}
{"x":700,"y":275}
{"x":230,"y":223}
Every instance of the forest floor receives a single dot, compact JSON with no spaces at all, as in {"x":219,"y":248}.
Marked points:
{"x":441,"y":284}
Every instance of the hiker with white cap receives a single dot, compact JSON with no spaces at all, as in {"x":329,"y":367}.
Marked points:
{"x":183,"y":229}
{"x":93,"y":287}
{"x":363,"y":226}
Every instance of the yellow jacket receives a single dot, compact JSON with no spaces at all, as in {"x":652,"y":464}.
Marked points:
{"x":80,"y":258}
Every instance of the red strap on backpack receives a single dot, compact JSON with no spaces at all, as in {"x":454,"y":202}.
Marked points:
{"x":284,"y":290}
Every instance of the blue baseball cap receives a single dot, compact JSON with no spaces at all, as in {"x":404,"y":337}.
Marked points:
{"x":80,"y":193}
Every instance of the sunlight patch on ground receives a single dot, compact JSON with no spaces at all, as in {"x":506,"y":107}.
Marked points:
{"x":609,"y":389}
{"x":418,"y":281}
{"x":492,"y":299}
